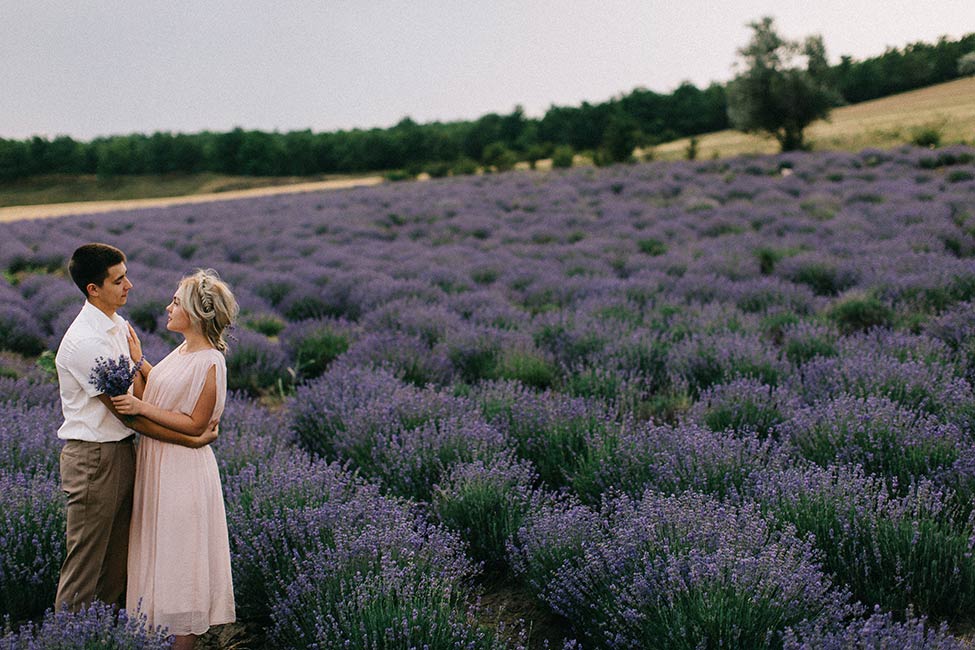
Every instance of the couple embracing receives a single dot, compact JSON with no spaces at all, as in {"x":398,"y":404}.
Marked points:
{"x":145,"y":522}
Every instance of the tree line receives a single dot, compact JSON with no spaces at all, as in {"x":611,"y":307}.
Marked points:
{"x":609,"y":131}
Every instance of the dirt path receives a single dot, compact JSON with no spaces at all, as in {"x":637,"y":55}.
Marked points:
{"x":17,"y":212}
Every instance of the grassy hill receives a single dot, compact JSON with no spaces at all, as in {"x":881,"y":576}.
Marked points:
{"x":948,"y":109}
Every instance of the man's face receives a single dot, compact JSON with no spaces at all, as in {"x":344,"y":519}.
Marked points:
{"x":113,"y":291}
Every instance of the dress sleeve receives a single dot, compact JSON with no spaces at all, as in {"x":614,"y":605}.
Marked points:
{"x":201,"y":364}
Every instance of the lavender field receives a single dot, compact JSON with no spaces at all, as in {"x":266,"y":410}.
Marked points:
{"x":670,"y":405}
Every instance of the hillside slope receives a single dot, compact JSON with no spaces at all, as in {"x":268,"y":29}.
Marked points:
{"x":882,"y":123}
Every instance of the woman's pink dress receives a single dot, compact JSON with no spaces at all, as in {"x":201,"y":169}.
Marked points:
{"x":179,"y":552}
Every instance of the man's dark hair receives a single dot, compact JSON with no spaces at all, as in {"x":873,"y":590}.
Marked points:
{"x":90,"y":263}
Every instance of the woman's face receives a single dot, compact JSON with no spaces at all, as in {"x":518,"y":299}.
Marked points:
{"x":179,"y":320}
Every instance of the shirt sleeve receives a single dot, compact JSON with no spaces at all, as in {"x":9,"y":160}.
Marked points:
{"x":80,"y":359}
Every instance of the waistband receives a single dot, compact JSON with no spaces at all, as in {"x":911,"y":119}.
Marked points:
{"x":127,"y":440}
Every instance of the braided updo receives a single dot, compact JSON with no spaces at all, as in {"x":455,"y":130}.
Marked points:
{"x":210,"y":304}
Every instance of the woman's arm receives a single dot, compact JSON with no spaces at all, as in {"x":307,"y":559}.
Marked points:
{"x":152,"y":430}
{"x":193,"y":424}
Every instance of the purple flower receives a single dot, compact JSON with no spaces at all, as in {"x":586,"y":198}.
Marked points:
{"x":113,"y":376}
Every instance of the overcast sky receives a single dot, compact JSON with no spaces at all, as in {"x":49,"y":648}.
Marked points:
{"x":89,"y":68}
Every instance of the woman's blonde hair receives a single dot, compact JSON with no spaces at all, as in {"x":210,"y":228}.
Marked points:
{"x":210,"y":303}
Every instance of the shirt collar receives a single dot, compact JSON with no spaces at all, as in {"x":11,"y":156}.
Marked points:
{"x":99,"y":319}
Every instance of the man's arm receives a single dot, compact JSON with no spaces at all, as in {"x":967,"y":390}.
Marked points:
{"x":158,"y":432}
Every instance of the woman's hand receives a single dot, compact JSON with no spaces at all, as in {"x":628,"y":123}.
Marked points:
{"x":213,"y":430}
{"x":128,"y":404}
{"x":135,"y":345}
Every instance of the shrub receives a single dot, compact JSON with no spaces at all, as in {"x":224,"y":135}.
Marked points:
{"x":323,"y":410}
{"x":485,"y":503}
{"x":266,"y":323}
{"x":32,"y":521}
{"x":464,"y":167}
{"x":437,"y":169}
{"x":879,"y":435}
{"x":401,"y":436}
{"x":896,"y":552}
{"x":854,"y":314}
{"x":927,"y":136}
{"x":497,"y":156}
{"x":28,"y":444}
{"x":20,"y":332}
{"x":528,"y":367}
{"x":95,"y":626}
{"x":408,"y":461}
{"x":744,"y":405}
{"x":652,"y":247}
{"x":250,"y":434}
{"x":549,"y":430}
{"x":681,"y":572}
{"x":256,"y":365}
{"x":767,"y":258}
{"x":562,"y":157}
{"x":703,"y":360}
{"x":313,"y":345}
{"x":396,"y":175}
{"x":671,"y":460}
{"x":475,"y":356}
{"x":405,"y":356}
{"x":277,"y":511}
{"x":877,"y":632}
{"x":805,"y":341}
{"x":25,"y":392}
{"x":323,"y":558}
{"x":932,"y":388}
{"x":823,"y":278}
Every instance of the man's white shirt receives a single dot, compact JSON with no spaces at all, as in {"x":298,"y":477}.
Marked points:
{"x":92,"y":334}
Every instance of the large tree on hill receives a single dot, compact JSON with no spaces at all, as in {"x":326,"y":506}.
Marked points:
{"x":783,"y":88}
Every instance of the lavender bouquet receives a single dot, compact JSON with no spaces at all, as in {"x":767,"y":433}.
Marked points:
{"x":113,"y":376}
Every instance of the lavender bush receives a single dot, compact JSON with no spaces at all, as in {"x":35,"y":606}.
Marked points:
{"x":687,"y":572}
{"x":28,"y":438}
{"x":878,"y":632}
{"x":883,"y":438}
{"x":96,"y":626}
{"x":548,"y":429}
{"x":744,"y":405}
{"x":891,"y":551}
{"x":32,"y":521}
{"x":673,"y":459}
{"x":486,"y":504}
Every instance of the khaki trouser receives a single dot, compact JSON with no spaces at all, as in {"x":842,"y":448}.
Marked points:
{"x":97,"y":477}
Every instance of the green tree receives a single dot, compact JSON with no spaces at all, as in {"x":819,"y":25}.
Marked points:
{"x":775,"y":94}
{"x":966,"y":64}
{"x":499,"y":157}
{"x":620,"y":137}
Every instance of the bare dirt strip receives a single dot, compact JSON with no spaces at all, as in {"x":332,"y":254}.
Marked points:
{"x":17,"y":212}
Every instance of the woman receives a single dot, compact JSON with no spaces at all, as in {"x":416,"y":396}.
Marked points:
{"x":179,"y":552}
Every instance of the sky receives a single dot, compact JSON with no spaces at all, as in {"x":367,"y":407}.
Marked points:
{"x":89,"y":68}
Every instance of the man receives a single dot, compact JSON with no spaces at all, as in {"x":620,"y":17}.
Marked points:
{"x":98,"y":459}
